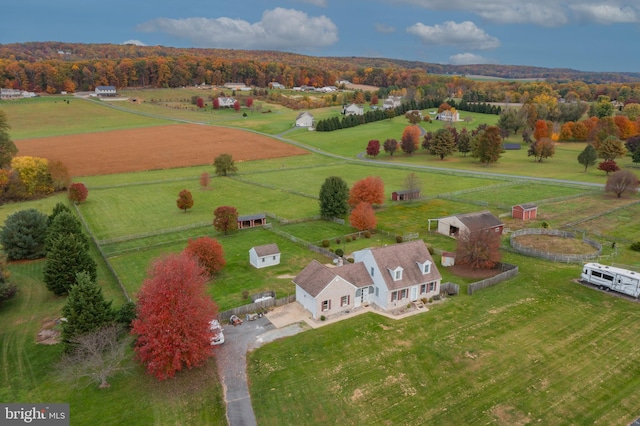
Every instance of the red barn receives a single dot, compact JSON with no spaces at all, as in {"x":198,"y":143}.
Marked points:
{"x":406,"y":194}
{"x":524,"y":211}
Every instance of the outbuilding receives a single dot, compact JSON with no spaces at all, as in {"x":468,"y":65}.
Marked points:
{"x":405,"y":194}
{"x":458,"y":225}
{"x":251,"y":221}
{"x":264,"y":256}
{"x":525,"y":211}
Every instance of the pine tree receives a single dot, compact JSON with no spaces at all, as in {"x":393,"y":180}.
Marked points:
{"x":334,"y":194}
{"x":23,"y":235}
{"x":65,"y":224}
{"x":86,"y":309}
{"x":67,"y":257}
{"x":57,"y":209}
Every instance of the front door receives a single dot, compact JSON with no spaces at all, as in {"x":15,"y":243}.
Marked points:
{"x":414,"y":294}
{"x":364,"y":295}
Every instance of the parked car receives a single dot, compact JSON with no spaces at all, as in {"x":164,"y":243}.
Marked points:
{"x":218,"y":335}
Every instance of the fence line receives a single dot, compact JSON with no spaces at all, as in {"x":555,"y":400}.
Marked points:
{"x":555,"y":257}
{"x":597,"y":215}
{"x":104,"y":257}
{"x":262,"y":306}
{"x":509,"y":271}
{"x":449,"y":288}
{"x":152,"y":233}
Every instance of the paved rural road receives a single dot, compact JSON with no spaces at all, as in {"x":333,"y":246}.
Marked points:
{"x":232,"y":364}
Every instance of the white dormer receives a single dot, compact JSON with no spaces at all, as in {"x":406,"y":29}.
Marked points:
{"x":425,"y":267}
{"x":396,"y":274}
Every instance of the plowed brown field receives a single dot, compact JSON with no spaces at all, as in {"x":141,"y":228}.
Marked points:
{"x":153,"y":148}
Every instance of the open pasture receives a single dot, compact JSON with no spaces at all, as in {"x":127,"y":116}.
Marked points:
{"x":178,"y":145}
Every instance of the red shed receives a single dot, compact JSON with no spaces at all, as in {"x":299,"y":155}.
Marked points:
{"x":524,"y":211}
{"x":405,"y":194}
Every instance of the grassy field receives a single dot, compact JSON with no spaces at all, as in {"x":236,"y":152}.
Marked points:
{"x":539,"y":348}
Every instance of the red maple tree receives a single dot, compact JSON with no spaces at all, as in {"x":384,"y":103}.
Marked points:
{"x":363,"y":217}
{"x":208,"y":252}
{"x":185,"y":200}
{"x":249,"y":102}
{"x":78,"y":192}
{"x":368,"y":190}
{"x":174,"y":311}
{"x":609,"y":166}
{"x":205,"y":180}
{"x":479,"y":250}
{"x":373,"y":147}
{"x":236,"y":106}
{"x":225,"y":219}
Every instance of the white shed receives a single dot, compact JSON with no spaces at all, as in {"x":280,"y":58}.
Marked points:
{"x":264,"y":256}
{"x":304,"y":119}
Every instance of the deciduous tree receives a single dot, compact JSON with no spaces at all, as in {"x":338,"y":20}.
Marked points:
{"x":23,"y":235}
{"x":225,"y":219}
{"x":588,"y":157}
{"x":443,"y":143}
{"x":611,"y":148}
{"x":34,"y":173}
{"x":541,"y":149}
{"x":622,"y":182}
{"x":60,"y":177}
{"x":208,"y":252}
{"x":174,"y":312}
{"x":334,"y":196}
{"x":542,"y":130}
{"x":390,"y":146}
{"x":411,"y":182}
{"x":608,"y":167}
{"x":479,"y":250}
{"x":369,"y":190}
{"x":224,"y":165}
{"x":464,"y":142}
{"x":8,"y":149}
{"x":68,"y":257}
{"x":487,"y":145}
{"x":373,"y":148}
{"x":413,"y":116}
{"x":236,"y":106}
{"x":185,"y":200}
{"x":86,"y":310}
{"x":205,"y":180}
{"x":410,"y":139}
{"x":200,"y":102}
{"x":363,"y":217}
{"x":78,"y":193}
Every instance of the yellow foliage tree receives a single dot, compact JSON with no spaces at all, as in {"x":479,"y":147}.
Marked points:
{"x":34,"y":173}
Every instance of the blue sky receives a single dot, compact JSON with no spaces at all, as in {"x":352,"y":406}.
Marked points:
{"x":584,"y":35}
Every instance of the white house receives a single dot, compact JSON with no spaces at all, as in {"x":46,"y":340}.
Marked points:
{"x":448,"y":115}
{"x":304,"y":119}
{"x":389,"y":277}
{"x":392,"y":102}
{"x":276,"y":85}
{"x":226,"y":101}
{"x":456,"y":226}
{"x":10,"y":94}
{"x":353,"y":109}
{"x":264,"y":256}
{"x":106,"y":91}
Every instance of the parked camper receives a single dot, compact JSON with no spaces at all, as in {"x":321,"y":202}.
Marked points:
{"x":612,"y":278}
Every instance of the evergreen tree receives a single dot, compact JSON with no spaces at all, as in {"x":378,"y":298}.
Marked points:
{"x":334,"y":196}
{"x":7,"y":148}
{"x":588,"y":157}
{"x":67,"y":257}
{"x":57,"y":209}
{"x":65,"y":224}
{"x":23,"y":235}
{"x":86,"y":309}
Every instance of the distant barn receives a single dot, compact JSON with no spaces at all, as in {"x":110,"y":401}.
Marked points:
{"x":405,"y":194}
{"x":525,"y":211}
{"x":252,"y":221}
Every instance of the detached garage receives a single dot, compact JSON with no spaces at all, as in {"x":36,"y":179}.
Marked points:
{"x":263,"y":256}
{"x":456,"y":226}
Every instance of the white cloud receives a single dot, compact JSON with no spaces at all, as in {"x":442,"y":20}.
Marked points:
{"x":469,"y":59}
{"x":279,"y":29}
{"x":383,"y":28}
{"x":605,"y":13}
{"x":548,"y":13}
{"x":464,"y":34}
{"x":136,"y":42}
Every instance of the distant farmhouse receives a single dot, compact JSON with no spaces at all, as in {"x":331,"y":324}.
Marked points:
{"x":106,"y":91}
{"x":7,"y":94}
{"x":304,"y":119}
{"x":353,"y":109}
{"x":392,"y":102}
{"x":448,"y":115}
{"x":389,"y":277}
{"x":226,"y":101}
{"x":276,"y":85}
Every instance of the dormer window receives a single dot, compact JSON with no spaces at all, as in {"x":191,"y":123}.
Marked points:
{"x":396,"y":273}
{"x":425,"y":267}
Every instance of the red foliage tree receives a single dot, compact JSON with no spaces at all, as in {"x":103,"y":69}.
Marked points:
{"x":225,"y":219}
{"x":410,"y":139}
{"x":249,"y":102}
{"x":479,"y":250}
{"x":208,"y":252}
{"x":608,"y":166}
{"x":200,"y":103}
{"x":363,"y":217}
{"x":374,"y":99}
{"x":373,"y":148}
{"x":216,"y":103}
{"x":236,"y":106}
{"x":541,"y":130}
{"x":185,"y":200}
{"x":78,"y":192}
{"x":173,"y":314}
{"x":205,"y":180}
{"x":368,"y":190}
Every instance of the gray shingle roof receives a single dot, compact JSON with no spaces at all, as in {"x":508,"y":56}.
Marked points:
{"x":267,"y":250}
{"x":408,"y":256}
{"x":316,"y":276}
{"x":478,"y":221}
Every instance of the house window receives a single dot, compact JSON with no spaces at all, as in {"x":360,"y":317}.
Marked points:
{"x":423,"y":288}
{"x":398,"y":274}
{"x":404,"y":293}
{"x":344,"y":301}
{"x":263,"y":260}
{"x":274,"y":258}
{"x":376,"y":291}
{"x":326,"y":305}
{"x":432,"y":286}
{"x":394,"y":296}
{"x":372,"y":271}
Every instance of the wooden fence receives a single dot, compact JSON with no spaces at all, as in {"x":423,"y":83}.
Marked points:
{"x":509,"y":271}
{"x":553,"y":256}
{"x":449,"y":289}
{"x":242,"y":311}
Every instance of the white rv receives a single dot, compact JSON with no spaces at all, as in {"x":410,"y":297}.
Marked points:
{"x":612,"y":278}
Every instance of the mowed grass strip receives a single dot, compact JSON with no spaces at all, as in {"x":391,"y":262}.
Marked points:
{"x":57,"y":115}
{"x":525,"y":351}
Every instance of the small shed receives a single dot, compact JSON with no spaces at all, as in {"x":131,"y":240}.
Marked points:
{"x":448,"y":258}
{"x":405,"y":194}
{"x":263,"y":256}
{"x":252,"y":221}
{"x":524,"y":211}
